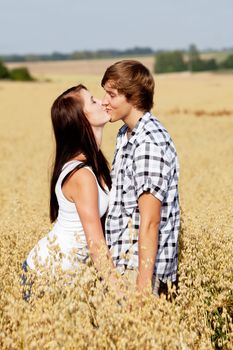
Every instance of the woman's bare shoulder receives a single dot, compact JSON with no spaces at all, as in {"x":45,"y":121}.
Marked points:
{"x":82,"y":176}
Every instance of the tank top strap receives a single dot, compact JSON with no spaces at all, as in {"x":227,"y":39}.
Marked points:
{"x":67,"y":168}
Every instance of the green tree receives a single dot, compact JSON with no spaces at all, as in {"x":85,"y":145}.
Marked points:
{"x":4,"y":73}
{"x":228,"y":62}
{"x":167,"y":62}
{"x":21,"y":74}
{"x":211,"y":64}
{"x":193,"y":56}
{"x":196,"y":64}
{"x":204,"y":65}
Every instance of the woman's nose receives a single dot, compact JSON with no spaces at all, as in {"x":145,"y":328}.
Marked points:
{"x":98,"y":101}
{"x":104,"y":101}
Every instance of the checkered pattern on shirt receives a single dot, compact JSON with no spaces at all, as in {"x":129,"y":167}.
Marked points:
{"x":148,"y":163}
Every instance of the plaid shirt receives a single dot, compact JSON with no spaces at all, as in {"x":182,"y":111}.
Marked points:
{"x":147,"y":161}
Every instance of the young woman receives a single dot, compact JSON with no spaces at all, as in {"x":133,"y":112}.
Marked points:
{"x":80,"y":184}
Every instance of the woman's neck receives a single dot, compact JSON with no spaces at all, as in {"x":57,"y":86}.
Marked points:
{"x":98,"y":132}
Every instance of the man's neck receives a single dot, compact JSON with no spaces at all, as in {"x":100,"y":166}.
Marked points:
{"x":132,"y":118}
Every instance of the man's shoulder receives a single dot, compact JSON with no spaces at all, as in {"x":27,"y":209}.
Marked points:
{"x":158,"y":138}
{"x":153,"y":131}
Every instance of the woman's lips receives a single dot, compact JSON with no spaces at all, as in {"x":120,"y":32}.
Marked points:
{"x":108,"y":110}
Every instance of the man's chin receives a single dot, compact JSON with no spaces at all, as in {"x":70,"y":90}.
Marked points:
{"x":112,"y":120}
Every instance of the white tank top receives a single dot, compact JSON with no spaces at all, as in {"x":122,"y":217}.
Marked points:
{"x":68,"y":231}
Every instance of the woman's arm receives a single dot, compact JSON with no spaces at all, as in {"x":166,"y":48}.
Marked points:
{"x":82,"y":189}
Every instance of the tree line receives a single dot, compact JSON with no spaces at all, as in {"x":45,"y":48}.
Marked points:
{"x":178,"y":61}
{"x":165,"y":61}
{"x":20,"y":73}
{"x":79,"y":55}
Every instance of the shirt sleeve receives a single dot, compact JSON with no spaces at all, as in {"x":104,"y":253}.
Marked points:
{"x":151,"y":170}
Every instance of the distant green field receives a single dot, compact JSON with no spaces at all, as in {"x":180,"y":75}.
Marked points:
{"x":219,"y":56}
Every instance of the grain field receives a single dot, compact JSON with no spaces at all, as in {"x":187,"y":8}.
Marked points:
{"x":198,"y":112}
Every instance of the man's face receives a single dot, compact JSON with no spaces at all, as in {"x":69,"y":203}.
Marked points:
{"x":115,"y":104}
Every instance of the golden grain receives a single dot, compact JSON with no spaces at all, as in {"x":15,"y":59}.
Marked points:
{"x":79,"y":310}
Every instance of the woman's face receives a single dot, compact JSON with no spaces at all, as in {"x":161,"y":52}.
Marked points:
{"x":93,"y":109}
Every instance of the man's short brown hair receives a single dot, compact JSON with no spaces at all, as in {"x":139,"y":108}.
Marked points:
{"x":132,"y":79}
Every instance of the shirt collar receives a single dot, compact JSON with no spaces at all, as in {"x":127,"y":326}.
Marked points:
{"x":136,"y":130}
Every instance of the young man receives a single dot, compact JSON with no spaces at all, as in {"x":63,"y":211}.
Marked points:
{"x":143,"y":220}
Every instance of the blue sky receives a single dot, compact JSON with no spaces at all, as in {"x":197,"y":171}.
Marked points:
{"x":45,"y":26}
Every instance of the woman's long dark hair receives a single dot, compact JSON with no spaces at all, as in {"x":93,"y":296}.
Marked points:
{"x":73,"y":136}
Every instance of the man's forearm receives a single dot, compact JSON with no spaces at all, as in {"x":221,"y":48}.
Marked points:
{"x":149,"y":208}
{"x":148,"y":247}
